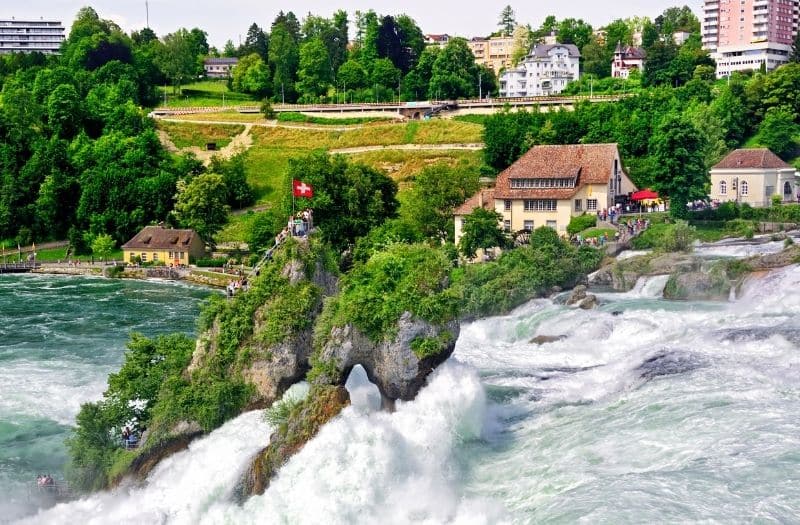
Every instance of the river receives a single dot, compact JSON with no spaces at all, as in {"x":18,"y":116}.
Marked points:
{"x":647,"y":411}
{"x":60,"y":337}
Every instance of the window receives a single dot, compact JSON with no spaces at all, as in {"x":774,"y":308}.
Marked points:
{"x":170,"y":255}
{"x":507,"y":205}
{"x":507,"y":226}
{"x":744,"y":187}
{"x":551,"y":224}
{"x":528,"y":226}
{"x":540,"y":205}
{"x":542,"y":183}
{"x":132,"y":257}
{"x":578,"y":204}
{"x":144,"y":257}
{"x":181,"y":257}
{"x":155,"y":256}
{"x":723,"y":187}
{"x":591,"y":204}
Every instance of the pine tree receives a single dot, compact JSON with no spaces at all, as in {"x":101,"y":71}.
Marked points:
{"x":507,"y":20}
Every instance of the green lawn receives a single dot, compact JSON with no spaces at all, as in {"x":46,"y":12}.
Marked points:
{"x":196,"y":134}
{"x":59,"y":254}
{"x":597,"y":232}
{"x":237,"y":229}
{"x":204,"y":93}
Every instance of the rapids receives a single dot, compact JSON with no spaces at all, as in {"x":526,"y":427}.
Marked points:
{"x":646,"y":412}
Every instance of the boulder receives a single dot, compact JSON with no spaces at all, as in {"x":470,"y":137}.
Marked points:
{"x":544,"y":339}
{"x":698,"y":286}
{"x":588,"y":302}
{"x":391,"y":363}
{"x":578,"y":294}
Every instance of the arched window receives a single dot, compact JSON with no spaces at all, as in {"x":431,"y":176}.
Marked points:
{"x":744,"y":187}
{"x":723,"y":187}
{"x":787,"y":190}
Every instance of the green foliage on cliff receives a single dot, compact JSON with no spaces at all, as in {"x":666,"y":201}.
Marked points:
{"x":424,"y":347}
{"x":403,"y":278}
{"x":150,"y":366}
{"x":677,"y":237}
{"x":520,"y":275}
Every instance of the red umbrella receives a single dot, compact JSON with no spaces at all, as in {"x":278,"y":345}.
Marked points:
{"x":644,"y":195}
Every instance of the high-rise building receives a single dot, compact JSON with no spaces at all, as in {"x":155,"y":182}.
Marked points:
{"x":744,"y":35}
{"x":27,"y":36}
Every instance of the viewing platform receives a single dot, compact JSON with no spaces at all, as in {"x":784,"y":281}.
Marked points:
{"x":20,"y":267}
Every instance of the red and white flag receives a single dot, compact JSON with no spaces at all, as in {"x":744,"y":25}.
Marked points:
{"x":301,"y":189}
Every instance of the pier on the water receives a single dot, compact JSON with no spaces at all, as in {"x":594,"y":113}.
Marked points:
{"x":19,"y":267}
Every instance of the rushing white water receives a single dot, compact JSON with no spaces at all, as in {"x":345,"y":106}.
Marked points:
{"x":760,"y":245}
{"x":645,"y":412}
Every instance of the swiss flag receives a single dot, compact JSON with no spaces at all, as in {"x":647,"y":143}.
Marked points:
{"x":301,"y":189}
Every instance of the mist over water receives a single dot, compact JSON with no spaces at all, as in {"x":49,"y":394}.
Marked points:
{"x":60,"y":337}
{"x":647,"y":411}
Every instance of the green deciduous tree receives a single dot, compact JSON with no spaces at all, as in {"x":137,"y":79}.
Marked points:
{"x":454,"y":73}
{"x":284,"y":58}
{"x":103,"y":245}
{"x":200,"y":204}
{"x":256,"y":42}
{"x":314,"y":74}
{"x":778,"y":132}
{"x":679,"y":169}
{"x":177,"y":58}
{"x":481,"y":230}
{"x":251,"y":75}
{"x":349,"y":199}
{"x":437,"y":190}
{"x":572,"y":31}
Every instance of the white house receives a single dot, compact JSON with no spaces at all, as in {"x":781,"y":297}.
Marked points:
{"x":546,"y":71}
{"x":753,"y":176}
{"x":219,"y":67}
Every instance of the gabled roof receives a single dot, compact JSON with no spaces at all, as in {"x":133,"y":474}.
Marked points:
{"x":755,"y":158}
{"x":158,"y":238}
{"x":632,"y":53}
{"x":484,"y":198}
{"x":542,"y":50}
{"x":587,"y":163}
{"x":221,"y":61}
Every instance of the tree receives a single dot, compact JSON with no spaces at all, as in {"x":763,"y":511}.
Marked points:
{"x":144,"y":37}
{"x":349,"y":199}
{"x":679,"y":171}
{"x":572,"y":31}
{"x":481,"y":230}
{"x":454,"y":73}
{"x":522,"y":43}
{"x":618,"y":32}
{"x":549,"y":26}
{"x":385,"y":74}
{"x":412,"y":39}
{"x":437,"y":190}
{"x":314,"y":74}
{"x":778,"y":131}
{"x":103,"y":245}
{"x":352,"y":75}
{"x":794,"y":56}
{"x":507,"y":20}
{"x":178,"y":58}
{"x":596,"y":59}
{"x":64,"y":111}
{"x":417,"y":82}
{"x":256,"y":42}
{"x":284,"y":58}
{"x":200,"y":204}
{"x":251,"y":75}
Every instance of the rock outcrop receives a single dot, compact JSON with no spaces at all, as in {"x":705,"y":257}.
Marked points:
{"x":581,"y":298}
{"x":392,"y":363}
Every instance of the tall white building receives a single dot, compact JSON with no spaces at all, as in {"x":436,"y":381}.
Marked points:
{"x":743,"y":35}
{"x":27,"y":36}
{"x":546,"y":71}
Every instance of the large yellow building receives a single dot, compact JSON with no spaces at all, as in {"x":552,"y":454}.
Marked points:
{"x":164,"y":245}
{"x":753,"y":176}
{"x":495,"y":53}
{"x":549,"y":185}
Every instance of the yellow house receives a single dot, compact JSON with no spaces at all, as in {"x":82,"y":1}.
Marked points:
{"x":550,"y":184}
{"x":158,"y":244}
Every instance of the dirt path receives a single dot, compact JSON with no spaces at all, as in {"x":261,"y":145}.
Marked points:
{"x":239,"y":143}
{"x":408,"y":147}
{"x":267,"y":124}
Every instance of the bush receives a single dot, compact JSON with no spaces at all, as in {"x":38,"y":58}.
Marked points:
{"x":676,"y":237}
{"x":218,"y":262}
{"x":740,"y":228}
{"x":581,"y":222}
{"x":776,"y":200}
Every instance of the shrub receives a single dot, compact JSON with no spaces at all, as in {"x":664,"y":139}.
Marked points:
{"x":219,"y":262}
{"x":676,"y":237}
{"x":424,"y":347}
{"x":581,"y":222}
{"x":776,"y":200}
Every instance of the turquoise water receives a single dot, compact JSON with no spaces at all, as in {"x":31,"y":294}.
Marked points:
{"x":59,"y":339}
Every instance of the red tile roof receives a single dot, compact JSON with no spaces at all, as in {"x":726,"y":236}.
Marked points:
{"x":475,"y":202}
{"x":158,"y":238}
{"x":590,"y":163}
{"x":756,"y":158}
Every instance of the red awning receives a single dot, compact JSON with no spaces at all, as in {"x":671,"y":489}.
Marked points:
{"x":644,"y":195}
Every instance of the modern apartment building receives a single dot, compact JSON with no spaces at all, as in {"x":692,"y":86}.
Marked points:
{"x":743,"y":35}
{"x":546,"y":71}
{"x":27,"y":36}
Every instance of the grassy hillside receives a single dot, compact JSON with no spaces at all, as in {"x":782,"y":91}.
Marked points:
{"x":199,"y":135}
{"x":268,"y":158}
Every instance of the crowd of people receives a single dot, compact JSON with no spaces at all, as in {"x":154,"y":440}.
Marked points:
{"x":236,"y":286}
{"x":130,"y":439}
